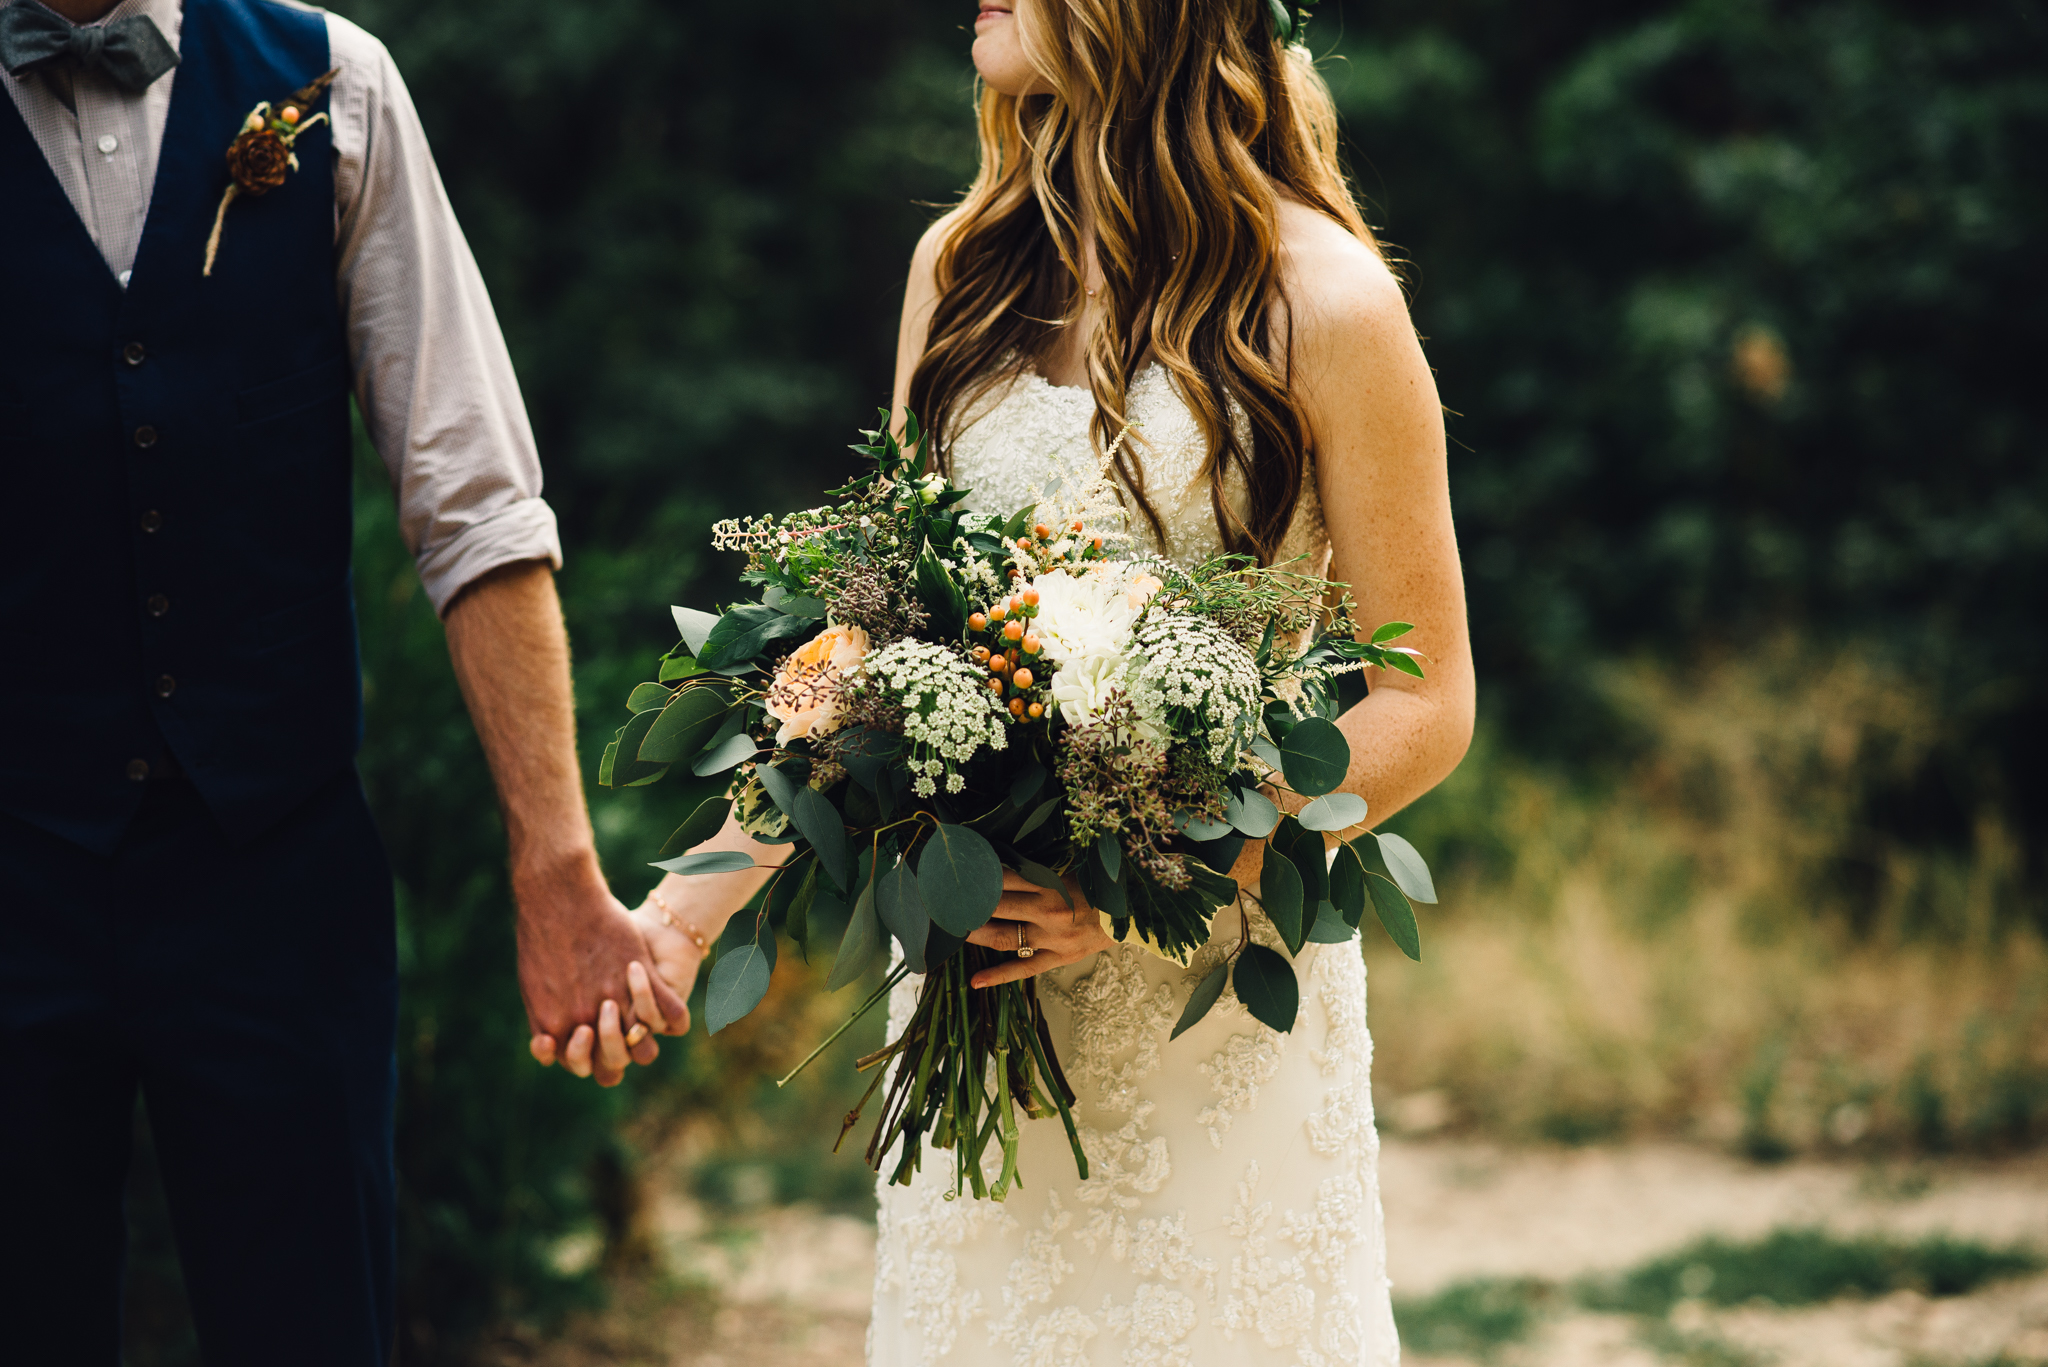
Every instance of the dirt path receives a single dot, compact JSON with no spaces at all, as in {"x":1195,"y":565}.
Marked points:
{"x":789,"y":1287}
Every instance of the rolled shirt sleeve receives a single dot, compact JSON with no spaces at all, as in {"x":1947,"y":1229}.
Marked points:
{"x":433,"y":378}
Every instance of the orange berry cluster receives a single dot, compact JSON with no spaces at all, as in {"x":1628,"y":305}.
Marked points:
{"x":1073,"y":547}
{"x":1010,"y":653}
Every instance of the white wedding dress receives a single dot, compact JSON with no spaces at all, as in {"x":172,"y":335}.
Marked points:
{"x":1231,"y":1217}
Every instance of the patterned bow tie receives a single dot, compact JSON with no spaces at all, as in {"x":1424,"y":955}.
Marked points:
{"x":133,"y":52}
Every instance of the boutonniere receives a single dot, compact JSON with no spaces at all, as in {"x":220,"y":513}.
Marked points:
{"x":261,"y":155}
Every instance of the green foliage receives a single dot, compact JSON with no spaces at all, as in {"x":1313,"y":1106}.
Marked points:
{"x":1728,"y":300}
{"x":1792,"y":1267}
{"x":1474,"y":1318}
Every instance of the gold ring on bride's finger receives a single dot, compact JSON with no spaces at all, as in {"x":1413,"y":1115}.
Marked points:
{"x":1024,"y":951}
{"x":636,"y":1034}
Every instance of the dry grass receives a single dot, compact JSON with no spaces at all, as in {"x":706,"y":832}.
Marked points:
{"x":1722,"y":943}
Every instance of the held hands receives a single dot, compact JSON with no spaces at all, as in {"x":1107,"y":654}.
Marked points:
{"x":1030,"y":917}
{"x":580,"y":954}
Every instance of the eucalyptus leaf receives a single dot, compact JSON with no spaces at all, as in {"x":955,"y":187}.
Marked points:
{"x":1315,"y":757}
{"x":1405,"y":863}
{"x":803,"y":607}
{"x":738,"y":982}
{"x":686,"y":725}
{"x":960,"y":878}
{"x":736,"y":749}
{"x":796,"y":922}
{"x":745,"y":632}
{"x":1332,"y":812}
{"x":710,"y":861}
{"x":1202,"y":828}
{"x":627,"y":770}
{"x":1347,"y":885}
{"x":695,"y":626}
{"x":647,"y":697}
{"x":816,"y":819}
{"x":708,"y":820}
{"x":903,"y":910}
{"x":861,"y":945}
{"x":1330,"y":927}
{"x":1280,"y":895}
{"x":1110,"y":853}
{"x":1268,"y":752}
{"x":1201,"y":999}
{"x":1266,"y":985}
{"x":1252,"y":812}
{"x":1039,"y":815}
{"x":1391,"y":631}
{"x":1396,"y":915}
{"x":1104,"y":893}
{"x":1305,"y":850}
{"x":1026,"y":785}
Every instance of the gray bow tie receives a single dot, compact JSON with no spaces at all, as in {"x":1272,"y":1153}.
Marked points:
{"x":133,"y":53}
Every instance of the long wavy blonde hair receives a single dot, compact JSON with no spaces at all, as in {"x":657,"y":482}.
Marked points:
{"x":1189,"y":119}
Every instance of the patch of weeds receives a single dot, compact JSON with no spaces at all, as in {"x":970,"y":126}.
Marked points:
{"x":1803,"y":1267}
{"x":1476,"y":1318}
{"x":1695,"y":1350}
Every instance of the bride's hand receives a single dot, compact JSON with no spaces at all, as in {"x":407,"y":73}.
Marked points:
{"x":677,"y":952}
{"x":1030,"y":916}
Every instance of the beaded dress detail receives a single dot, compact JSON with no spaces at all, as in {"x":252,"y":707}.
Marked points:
{"x":1231,"y":1216}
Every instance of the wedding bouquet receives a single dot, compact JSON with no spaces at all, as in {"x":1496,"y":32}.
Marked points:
{"x":922,"y":696}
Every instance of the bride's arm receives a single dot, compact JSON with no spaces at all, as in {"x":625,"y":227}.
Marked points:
{"x":1378,"y":435}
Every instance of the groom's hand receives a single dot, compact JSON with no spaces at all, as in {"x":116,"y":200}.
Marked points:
{"x":578,"y":949}
{"x":576,"y":943}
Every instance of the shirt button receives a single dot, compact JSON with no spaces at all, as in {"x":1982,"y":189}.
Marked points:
{"x":133,"y":353}
{"x":158,"y":605}
{"x":165,"y":685}
{"x":145,"y":437}
{"x":138,"y":770}
{"x":152,"y":520}
{"x":108,"y":142}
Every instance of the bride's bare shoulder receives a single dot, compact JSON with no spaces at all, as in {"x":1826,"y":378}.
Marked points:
{"x":1339,"y":290}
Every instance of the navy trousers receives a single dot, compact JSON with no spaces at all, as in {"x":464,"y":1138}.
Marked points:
{"x":248,"y":994}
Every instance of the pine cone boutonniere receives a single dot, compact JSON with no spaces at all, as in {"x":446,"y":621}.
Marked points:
{"x":261,"y":156}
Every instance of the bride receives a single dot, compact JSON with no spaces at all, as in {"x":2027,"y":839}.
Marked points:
{"x":1160,"y":237}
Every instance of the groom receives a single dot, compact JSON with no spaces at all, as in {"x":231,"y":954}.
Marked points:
{"x":194,"y":905}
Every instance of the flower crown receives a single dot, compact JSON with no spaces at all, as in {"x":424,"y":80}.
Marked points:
{"x":1286,"y":26}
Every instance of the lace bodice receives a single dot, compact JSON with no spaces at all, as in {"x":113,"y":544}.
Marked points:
{"x":1018,"y":435}
{"x":1231,"y":1216}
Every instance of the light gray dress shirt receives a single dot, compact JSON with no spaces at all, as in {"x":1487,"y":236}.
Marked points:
{"x":433,"y":379}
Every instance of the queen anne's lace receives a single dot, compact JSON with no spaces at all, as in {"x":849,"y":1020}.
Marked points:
{"x":1192,"y":665}
{"x":948,"y":714}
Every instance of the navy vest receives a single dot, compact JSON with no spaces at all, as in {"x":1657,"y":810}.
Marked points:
{"x":175,"y":526}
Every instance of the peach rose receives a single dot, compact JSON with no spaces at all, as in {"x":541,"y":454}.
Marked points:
{"x":1143,"y":586}
{"x":805,"y":694}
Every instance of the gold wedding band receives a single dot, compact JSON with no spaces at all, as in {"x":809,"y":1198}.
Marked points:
{"x":636,"y":1034}
{"x":1024,"y":951}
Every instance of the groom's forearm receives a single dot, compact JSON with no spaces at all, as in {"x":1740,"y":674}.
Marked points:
{"x":511,"y":655}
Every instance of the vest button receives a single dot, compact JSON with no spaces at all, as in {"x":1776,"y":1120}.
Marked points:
{"x":152,"y":521}
{"x":145,"y":437}
{"x":165,"y":685}
{"x":138,"y":770}
{"x":158,"y":605}
{"x":133,"y":353}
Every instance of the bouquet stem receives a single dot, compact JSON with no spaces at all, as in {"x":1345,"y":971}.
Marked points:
{"x":961,"y":1042}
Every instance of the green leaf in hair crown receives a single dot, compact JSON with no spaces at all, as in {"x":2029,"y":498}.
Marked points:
{"x":1286,"y":27}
